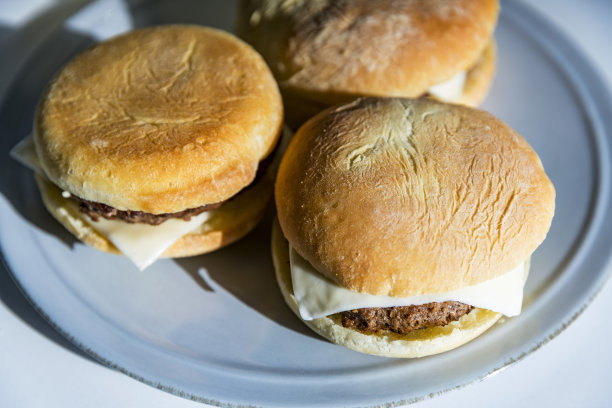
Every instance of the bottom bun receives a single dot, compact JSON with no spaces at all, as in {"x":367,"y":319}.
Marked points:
{"x":230,"y":222}
{"x":480,"y":77}
{"x":419,"y":343}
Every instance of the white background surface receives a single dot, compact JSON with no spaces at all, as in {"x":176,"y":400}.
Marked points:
{"x":39,"y":368}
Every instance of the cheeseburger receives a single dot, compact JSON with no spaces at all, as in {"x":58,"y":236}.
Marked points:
{"x":406,"y":226}
{"x":159,"y":142}
{"x":329,"y":51}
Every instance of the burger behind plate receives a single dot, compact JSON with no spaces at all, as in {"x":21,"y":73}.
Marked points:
{"x":406,"y":226}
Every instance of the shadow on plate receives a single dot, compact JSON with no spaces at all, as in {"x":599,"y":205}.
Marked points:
{"x":249,"y":277}
{"x":17,"y":183}
{"x":16,"y":116}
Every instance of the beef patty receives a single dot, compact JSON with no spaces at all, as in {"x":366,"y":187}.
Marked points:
{"x":404,"y":319}
{"x":96,"y":210}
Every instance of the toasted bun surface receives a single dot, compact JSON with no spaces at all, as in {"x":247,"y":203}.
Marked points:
{"x":419,"y":343}
{"x":159,"y":120}
{"x":328,"y":50}
{"x":403,"y":197}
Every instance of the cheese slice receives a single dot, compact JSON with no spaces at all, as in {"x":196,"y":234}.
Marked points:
{"x":318,"y":296}
{"x":25,"y":153}
{"x":144,"y":243}
{"x":141,"y":243}
{"x":451,"y":89}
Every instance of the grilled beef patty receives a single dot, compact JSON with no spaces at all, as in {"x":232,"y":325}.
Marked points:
{"x":96,"y":210}
{"x":404,"y":319}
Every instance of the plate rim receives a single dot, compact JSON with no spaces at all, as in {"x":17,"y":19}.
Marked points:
{"x":594,"y":96}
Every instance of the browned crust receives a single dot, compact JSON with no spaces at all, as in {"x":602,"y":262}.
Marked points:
{"x":330,"y":50}
{"x":159,"y":120}
{"x":404,"y":197}
{"x":298,"y":108}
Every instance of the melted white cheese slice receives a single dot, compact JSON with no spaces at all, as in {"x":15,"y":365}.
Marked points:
{"x":318,"y":296}
{"x":141,"y":243}
{"x":144,"y":243}
{"x":451,"y":89}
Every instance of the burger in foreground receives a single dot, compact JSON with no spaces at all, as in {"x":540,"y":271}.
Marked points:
{"x":329,"y":51}
{"x":159,"y":142}
{"x":406,"y":226}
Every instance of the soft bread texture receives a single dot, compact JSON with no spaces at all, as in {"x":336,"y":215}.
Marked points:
{"x":299,"y":107}
{"x":419,"y":343}
{"x":159,"y":119}
{"x":230,"y":222}
{"x":403,"y":197}
{"x":329,"y":51}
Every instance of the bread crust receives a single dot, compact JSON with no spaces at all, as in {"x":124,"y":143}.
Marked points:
{"x":404,"y":197}
{"x":479,"y":78}
{"x":230,"y":222}
{"x":419,"y":343}
{"x":330,"y":50}
{"x":159,"y":119}
{"x":299,"y":108}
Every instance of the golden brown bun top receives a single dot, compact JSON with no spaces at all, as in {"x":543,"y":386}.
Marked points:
{"x":159,"y":119}
{"x":367,"y":47}
{"x":403,"y":197}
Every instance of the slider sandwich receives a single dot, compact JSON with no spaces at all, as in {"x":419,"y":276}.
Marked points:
{"x":405,"y":227}
{"x":330,"y":51}
{"x":159,"y":142}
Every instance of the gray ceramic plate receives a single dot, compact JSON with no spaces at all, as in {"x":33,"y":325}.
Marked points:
{"x":215,"y":329}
